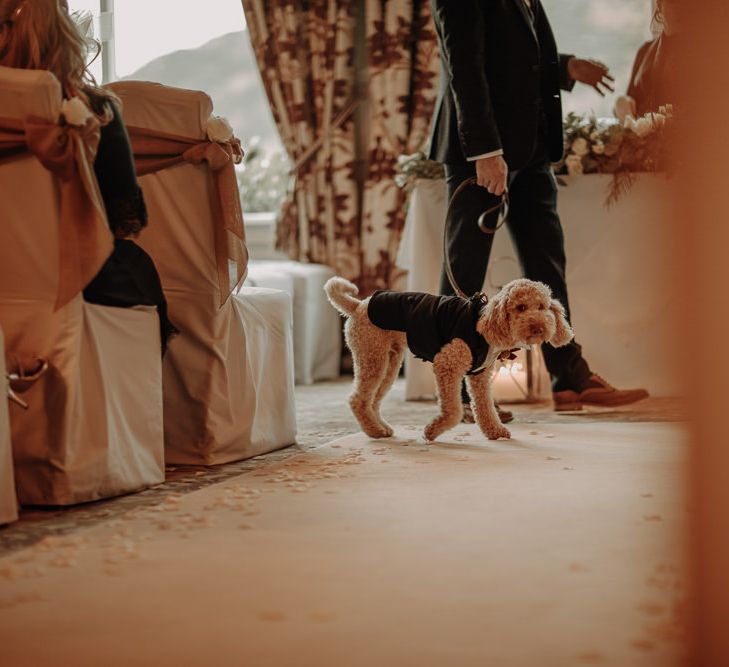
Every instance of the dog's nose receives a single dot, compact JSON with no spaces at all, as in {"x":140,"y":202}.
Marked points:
{"x":536,"y":330}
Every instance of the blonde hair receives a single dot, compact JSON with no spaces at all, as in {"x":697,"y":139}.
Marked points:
{"x":41,"y":34}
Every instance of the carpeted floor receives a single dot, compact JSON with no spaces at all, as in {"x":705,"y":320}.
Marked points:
{"x":560,"y":547}
{"x":322,"y":416}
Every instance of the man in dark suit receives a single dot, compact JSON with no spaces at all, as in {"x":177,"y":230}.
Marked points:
{"x":499,"y":118}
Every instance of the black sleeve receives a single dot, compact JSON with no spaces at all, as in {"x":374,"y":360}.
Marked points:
{"x":117,"y":178}
{"x":566,"y":82}
{"x":461,"y":32}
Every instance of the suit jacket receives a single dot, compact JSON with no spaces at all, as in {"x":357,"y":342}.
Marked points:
{"x":499,"y":69}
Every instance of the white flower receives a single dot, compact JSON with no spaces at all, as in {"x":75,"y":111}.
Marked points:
{"x":574,"y":165}
{"x":218,"y":129}
{"x":643,"y":126}
{"x":659,"y":119}
{"x":580,"y":146}
{"x":75,"y":112}
{"x":629,"y":123}
{"x":598,"y":148}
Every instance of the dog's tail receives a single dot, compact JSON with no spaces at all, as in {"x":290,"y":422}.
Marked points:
{"x":340,"y":293}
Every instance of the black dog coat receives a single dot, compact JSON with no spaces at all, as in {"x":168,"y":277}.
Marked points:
{"x":430,"y":322}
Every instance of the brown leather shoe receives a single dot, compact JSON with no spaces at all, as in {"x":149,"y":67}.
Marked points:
{"x":598,"y":393}
{"x":504,"y":415}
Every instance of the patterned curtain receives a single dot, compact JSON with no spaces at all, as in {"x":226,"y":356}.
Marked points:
{"x":305,"y":52}
{"x":403,"y":69}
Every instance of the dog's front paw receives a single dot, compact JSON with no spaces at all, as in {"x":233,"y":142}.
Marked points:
{"x":497,"y":432}
{"x":379,"y":431}
{"x":432,"y":431}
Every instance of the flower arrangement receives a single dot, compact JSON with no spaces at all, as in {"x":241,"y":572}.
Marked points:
{"x":604,"y":146}
{"x":409,"y":168}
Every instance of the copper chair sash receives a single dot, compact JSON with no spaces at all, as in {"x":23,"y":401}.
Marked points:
{"x":155,"y":150}
{"x":67,"y":151}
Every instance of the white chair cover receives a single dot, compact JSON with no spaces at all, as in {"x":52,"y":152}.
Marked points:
{"x":94,"y":424}
{"x":8,"y":502}
{"x":317,"y":326}
{"x":228,"y":376}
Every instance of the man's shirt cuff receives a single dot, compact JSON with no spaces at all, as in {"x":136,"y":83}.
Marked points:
{"x":485,"y":155}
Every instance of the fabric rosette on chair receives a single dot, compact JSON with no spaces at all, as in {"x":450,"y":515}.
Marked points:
{"x":91,"y":375}
{"x":228,"y":376}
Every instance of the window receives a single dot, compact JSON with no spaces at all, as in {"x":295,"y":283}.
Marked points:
{"x":607,"y":30}
{"x":88,"y":12}
{"x":200,"y":47}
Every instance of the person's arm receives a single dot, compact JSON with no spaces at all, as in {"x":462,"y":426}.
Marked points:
{"x":590,"y":72}
{"x":462,"y":33}
{"x":117,"y":179}
{"x":566,"y":82}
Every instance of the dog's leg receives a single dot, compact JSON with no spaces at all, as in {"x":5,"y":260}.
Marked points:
{"x":395,"y":357}
{"x":369,"y":373}
{"x":484,"y":410}
{"x":449,"y":367}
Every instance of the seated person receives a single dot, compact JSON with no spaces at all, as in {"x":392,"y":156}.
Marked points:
{"x":40,"y":34}
{"x":649,"y":86}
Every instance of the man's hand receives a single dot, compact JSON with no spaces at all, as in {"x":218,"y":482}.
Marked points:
{"x":491,"y":173}
{"x":591,"y":72}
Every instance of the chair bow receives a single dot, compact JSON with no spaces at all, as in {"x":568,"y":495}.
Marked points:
{"x":155,"y":150}
{"x":67,"y":151}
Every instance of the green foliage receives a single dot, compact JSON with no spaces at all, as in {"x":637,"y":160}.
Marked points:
{"x":409,"y":168}
{"x":263,"y":179}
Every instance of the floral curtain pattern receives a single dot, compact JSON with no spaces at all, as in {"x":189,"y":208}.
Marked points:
{"x":306,"y":54}
{"x":403,"y":69}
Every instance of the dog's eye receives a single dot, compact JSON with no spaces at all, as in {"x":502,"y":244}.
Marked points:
{"x":521,"y":307}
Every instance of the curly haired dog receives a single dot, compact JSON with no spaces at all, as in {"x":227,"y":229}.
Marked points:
{"x":462,"y":337}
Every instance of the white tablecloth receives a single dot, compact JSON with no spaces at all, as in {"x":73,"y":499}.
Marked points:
{"x":615,"y":275}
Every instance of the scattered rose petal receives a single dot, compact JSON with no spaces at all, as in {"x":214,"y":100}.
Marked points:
{"x":271,"y":616}
{"x":322,"y":616}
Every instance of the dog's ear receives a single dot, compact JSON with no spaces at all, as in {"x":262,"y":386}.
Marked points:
{"x":563,"y":331}
{"x":494,"y":324}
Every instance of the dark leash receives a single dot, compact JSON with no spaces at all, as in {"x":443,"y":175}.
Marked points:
{"x":502,"y":207}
